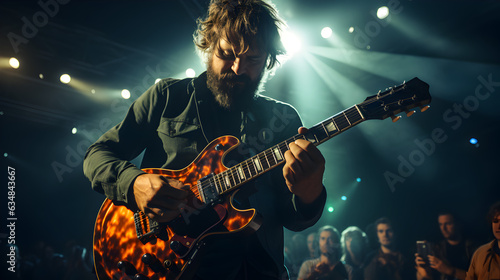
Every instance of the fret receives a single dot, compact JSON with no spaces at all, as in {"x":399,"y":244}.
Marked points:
{"x":248,"y":173}
{"x":346,"y":118}
{"x":240,"y":172}
{"x":219,"y":190}
{"x":252,"y":169}
{"x":331,"y":127}
{"x":232,"y":179}
{"x":228,"y":183}
{"x":257,"y":163}
{"x":278,"y":154}
{"x":265,"y":162}
{"x":324,"y":128}
{"x":341,"y":122}
{"x":222,"y":183}
{"x":273,"y":161}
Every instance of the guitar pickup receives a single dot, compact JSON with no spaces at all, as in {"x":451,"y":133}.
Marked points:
{"x":207,"y":189}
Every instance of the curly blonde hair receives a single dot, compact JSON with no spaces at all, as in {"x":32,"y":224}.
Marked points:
{"x":243,"y":24}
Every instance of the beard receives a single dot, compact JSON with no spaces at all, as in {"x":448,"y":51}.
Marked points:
{"x":231,"y":91}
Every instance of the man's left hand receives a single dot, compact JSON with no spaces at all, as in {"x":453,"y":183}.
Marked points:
{"x":303,"y":170}
{"x":439,"y":265}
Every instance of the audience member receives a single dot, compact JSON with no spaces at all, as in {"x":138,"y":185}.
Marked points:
{"x":485,"y":264}
{"x":312,"y":245}
{"x":355,"y":247}
{"x":328,"y":265}
{"x":451,"y":256}
{"x":387,"y":262}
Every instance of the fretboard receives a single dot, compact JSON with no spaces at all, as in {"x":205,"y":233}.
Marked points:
{"x":274,"y":156}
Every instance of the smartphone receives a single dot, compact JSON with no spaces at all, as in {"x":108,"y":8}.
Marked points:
{"x":424,"y":249}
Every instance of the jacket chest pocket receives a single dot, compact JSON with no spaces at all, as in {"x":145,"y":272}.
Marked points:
{"x":180,"y":140}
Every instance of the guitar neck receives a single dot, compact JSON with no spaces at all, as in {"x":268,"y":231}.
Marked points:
{"x":268,"y":159}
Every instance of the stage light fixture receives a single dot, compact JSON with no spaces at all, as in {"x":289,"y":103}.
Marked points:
{"x":125,"y":94}
{"x":382,"y":12}
{"x":473,"y":141}
{"x":65,"y":78}
{"x":344,"y":198}
{"x":14,"y":63}
{"x":190,"y":73}
{"x":326,"y":32}
{"x":5,"y":155}
{"x":74,"y":130}
{"x":41,"y":76}
{"x":330,"y":209}
{"x":351,"y":29}
{"x":358,"y":180}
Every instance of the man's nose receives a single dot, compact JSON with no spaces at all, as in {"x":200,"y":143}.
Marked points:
{"x":239,"y":66}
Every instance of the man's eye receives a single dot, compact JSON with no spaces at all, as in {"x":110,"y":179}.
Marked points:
{"x":227,"y":55}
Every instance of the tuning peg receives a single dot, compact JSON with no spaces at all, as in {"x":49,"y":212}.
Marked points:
{"x":395,"y":118}
{"x":424,"y":108}
{"x":409,"y":113}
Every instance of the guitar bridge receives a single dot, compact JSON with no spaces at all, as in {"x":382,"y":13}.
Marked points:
{"x":147,"y":229}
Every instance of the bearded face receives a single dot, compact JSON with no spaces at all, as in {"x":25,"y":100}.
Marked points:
{"x":231,"y":91}
{"x":234,"y":77}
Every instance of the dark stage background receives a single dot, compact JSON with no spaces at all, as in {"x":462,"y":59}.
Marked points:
{"x":107,"y":46}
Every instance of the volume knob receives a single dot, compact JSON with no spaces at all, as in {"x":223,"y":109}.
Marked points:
{"x":127,"y":268}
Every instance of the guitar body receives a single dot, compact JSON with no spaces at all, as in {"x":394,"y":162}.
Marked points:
{"x":115,"y":237}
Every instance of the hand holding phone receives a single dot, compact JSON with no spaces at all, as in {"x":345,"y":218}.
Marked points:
{"x":423,"y":250}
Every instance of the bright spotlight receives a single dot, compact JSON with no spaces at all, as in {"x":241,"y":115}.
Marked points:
{"x":190,"y":73}
{"x":5,"y":155}
{"x":330,"y":209}
{"x":358,"y":180}
{"x":382,"y":12}
{"x":291,"y":43}
{"x":125,"y":94}
{"x":473,"y":141}
{"x":351,"y":29}
{"x":74,"y":130}
{"x":344,"y":197}
{"x":41,"y":76}
{"x":92,"y":91}
{"x":326,"y":32}
{"x":14,"y":63}
{"x":65,"y":78}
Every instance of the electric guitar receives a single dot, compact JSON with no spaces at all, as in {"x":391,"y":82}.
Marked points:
{"x":130,"y":245}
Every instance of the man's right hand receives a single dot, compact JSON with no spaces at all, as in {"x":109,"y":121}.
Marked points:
{"x":423,"y":271}
{"x":159,"y":197}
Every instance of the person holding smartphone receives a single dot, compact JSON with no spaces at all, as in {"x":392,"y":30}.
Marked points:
{"x":449,"y":258}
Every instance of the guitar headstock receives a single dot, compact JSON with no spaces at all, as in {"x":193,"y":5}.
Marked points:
{"x":402,"y":98}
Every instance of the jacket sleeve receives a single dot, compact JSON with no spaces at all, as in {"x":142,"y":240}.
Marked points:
{"x":107,"y":161}
{"x":296,"y":216}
